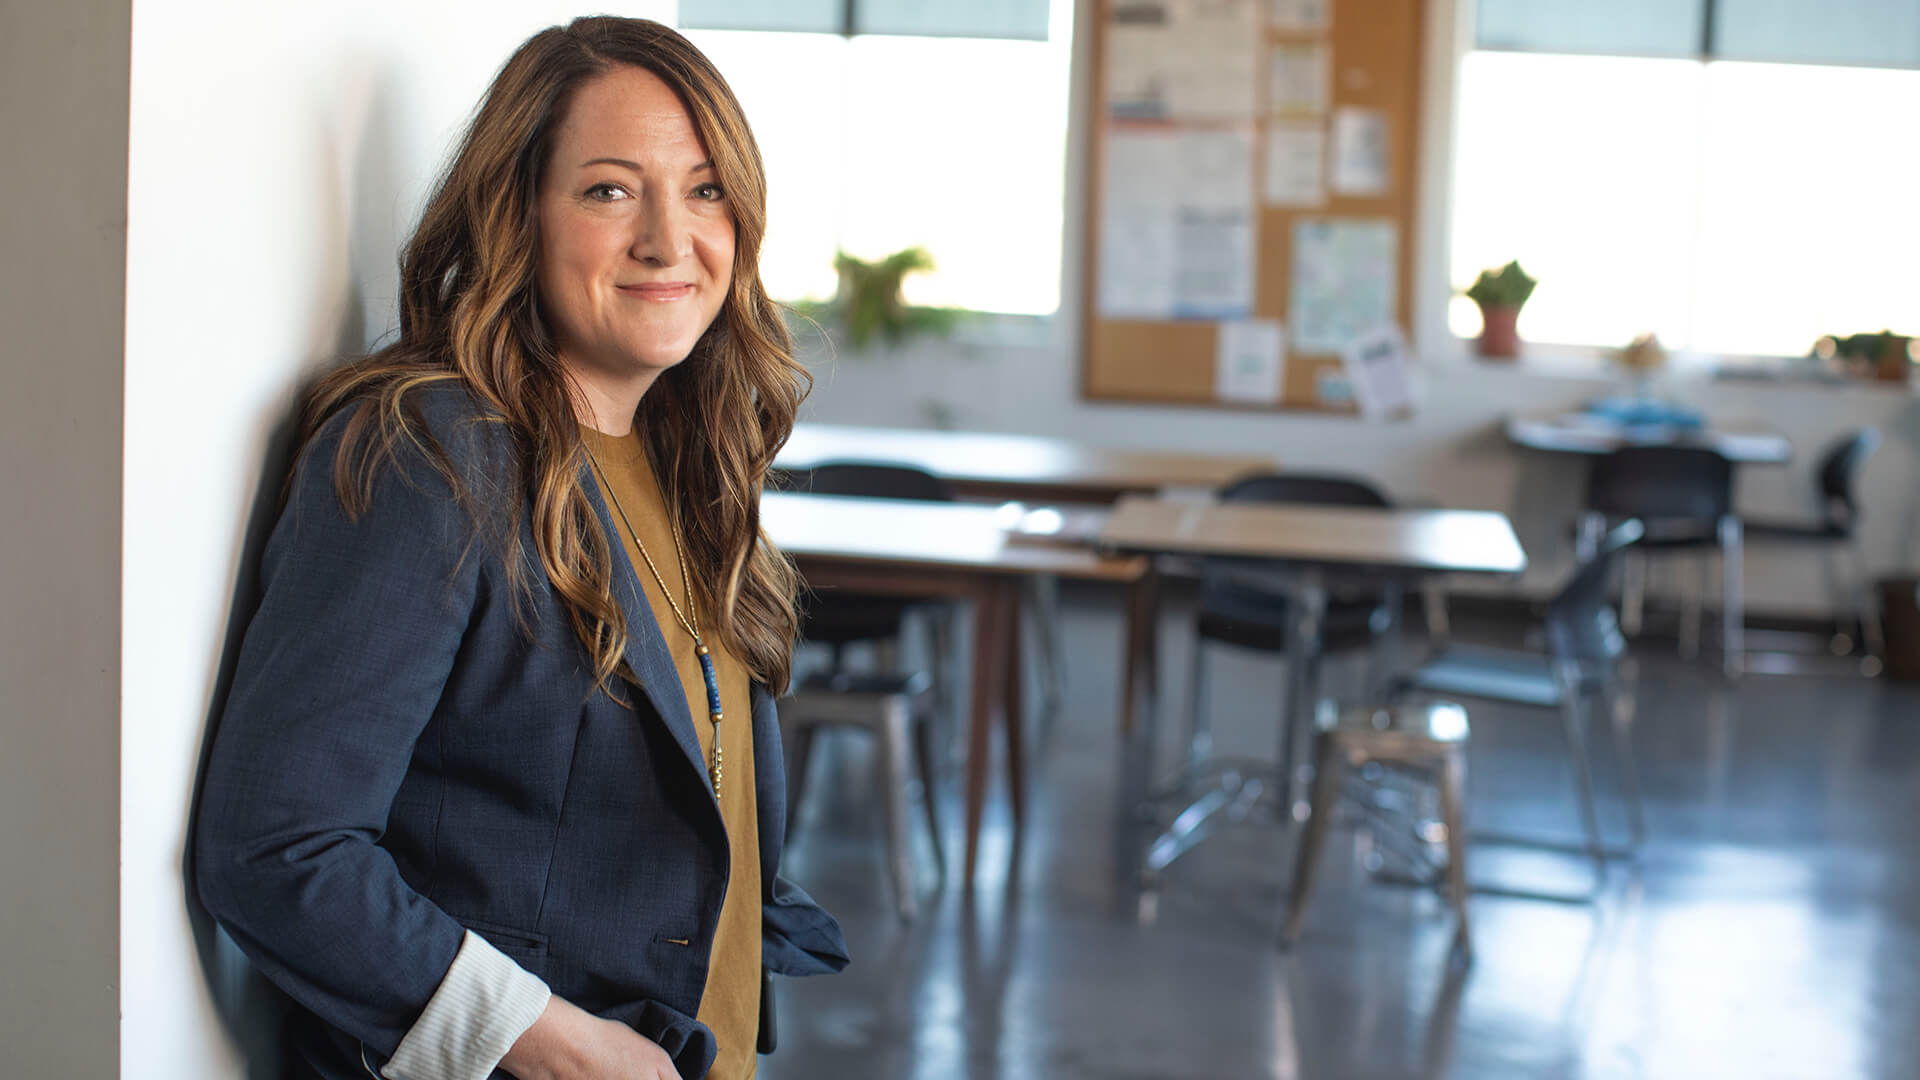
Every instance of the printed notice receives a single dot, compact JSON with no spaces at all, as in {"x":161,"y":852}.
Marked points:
{"x":1298,"y":78}
{"x":1177,"y":225}
{"x":1250,"y":362}
{"x":1376,"y":366}
{"x":1183,"y":59}
{"x":1299,"y":16}
{"x":1343,"y":281}
{"x":1137,"y":225}
{"x":1296,"y":166}
{"x":1359,"y":152}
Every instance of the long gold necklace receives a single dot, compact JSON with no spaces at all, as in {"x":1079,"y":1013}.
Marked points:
{"x":689,"y":619}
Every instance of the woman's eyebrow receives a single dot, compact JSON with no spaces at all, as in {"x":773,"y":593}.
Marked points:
{"x":634,"y":166}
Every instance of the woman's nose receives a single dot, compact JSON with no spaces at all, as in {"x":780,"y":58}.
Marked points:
{"x":661,"y":235}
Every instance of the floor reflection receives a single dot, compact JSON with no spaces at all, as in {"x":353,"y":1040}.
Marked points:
{"x":1767,"y":931}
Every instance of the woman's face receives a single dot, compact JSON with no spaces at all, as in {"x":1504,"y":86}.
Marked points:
{"x":636,"y":237}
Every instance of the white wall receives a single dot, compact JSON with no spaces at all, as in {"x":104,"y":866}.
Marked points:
{"x":278,"y":153}
{"x":63,"y":123}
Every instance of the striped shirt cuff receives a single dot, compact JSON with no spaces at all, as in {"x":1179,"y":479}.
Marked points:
{"x":485,"y":1002}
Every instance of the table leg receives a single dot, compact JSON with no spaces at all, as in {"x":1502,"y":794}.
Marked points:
{"x":1303,"y":642}
{"x":1139,"y":674}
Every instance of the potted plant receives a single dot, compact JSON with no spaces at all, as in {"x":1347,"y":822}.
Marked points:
{"x":1500,"y":293}
{"x":868,"y":300}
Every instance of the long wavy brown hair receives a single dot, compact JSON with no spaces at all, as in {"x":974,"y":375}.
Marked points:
{"x":470,"y":315}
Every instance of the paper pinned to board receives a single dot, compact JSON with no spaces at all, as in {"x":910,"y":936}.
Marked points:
{"x":1360,"y":165}
{"x":1343,"y":281}
{"x":1296,"y":165}
{"x":1182,"y":59}
{"x":1250,"y":362}
{"x":1177,"y":224}
{"x":1375,"y":363}
{"x":1299,"y":75}
{"x":1299,"y":16}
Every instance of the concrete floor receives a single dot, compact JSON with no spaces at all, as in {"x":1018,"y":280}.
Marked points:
{"x":1770,"y":929}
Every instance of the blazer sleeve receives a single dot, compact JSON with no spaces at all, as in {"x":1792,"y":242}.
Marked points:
{"x":340,"y":671}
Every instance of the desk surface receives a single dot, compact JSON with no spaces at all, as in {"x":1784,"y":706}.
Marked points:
{"x":924,"y":535}
{"x":1006,"y":461}
{"x":1580,"y":433}
{"x":1426,"y":541}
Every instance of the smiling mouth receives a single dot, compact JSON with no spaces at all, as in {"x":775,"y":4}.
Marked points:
{"x":659,"y":291}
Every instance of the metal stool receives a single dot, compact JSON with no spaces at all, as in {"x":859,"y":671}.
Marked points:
{"x":1431,"y":736}
{"x":895,"y":708}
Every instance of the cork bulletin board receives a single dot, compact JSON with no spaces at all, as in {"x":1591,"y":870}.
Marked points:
{"x":1250,"y":192}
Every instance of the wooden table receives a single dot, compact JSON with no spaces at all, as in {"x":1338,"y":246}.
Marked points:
{"x":1302,"y":551}
{"x":960,"y":550}
{"x":994,"y":467}
{"x":1584,"y":433}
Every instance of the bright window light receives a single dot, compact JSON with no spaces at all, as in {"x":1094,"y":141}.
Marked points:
{"x":877,"y":143}
{"x":1731,"y":208}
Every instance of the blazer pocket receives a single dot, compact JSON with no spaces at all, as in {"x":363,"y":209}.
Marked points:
{"x":526,"y":946}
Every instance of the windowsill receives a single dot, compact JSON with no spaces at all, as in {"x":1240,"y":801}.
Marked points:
{"x":1591,"y":362}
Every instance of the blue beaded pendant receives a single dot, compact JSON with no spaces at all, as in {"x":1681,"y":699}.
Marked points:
{"x":713,"y":709}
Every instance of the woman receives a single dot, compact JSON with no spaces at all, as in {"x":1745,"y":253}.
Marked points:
{"x":459,"y":807}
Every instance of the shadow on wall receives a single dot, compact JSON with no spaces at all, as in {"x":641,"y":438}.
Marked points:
{"x":363,"y":172}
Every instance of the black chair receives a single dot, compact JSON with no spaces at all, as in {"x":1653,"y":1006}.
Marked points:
{"x":1574,"y":677}
{"x":1683,"y":496}
{"x":895,"y":706}
{"x":842,"y":618}
{"x":1238,"y":612}
{"x":1836,"y":530}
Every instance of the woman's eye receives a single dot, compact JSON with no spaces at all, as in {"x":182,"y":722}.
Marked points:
{"x":709,"y":192}
{"x":606,"y":192}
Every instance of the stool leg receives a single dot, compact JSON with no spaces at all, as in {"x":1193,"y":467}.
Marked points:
{"x":893,"y":797}
{"x":1453,"y":799}
{"x":1327,"y":777}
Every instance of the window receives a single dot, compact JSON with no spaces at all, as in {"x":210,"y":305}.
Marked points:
{"x":874,"y":143}
{"x":1730,"y":206}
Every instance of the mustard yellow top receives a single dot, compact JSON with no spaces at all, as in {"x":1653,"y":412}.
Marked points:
{"x":730,"y":1004}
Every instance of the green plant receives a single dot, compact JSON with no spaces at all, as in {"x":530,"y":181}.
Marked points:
{"x":869,"y":302}
{"x":1508,"y":286}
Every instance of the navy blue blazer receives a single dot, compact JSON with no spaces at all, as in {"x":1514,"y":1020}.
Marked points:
{"x":410,"y":751}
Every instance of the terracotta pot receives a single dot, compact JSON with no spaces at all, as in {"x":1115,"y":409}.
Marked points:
{"x":1499,"y":337}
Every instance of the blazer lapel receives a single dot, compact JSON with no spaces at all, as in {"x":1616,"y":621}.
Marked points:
{"x":647,"y":652}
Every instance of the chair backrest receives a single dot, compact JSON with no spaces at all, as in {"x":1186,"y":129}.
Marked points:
{"x":1313,"y":489}
{"x":1221,"y":588}
{"x":1662,"y":484}
{"x":1839,"y":467}
{"x":875,"y":481}
{"x":1581,"y":627}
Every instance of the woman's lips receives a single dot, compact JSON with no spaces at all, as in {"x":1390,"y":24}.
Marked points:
{"x":663,"y":291}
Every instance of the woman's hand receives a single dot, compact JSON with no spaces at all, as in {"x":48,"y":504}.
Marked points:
{"x":569,"y":1043}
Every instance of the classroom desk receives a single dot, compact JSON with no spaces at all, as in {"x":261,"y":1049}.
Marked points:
{"x":991,"y":467}
{"x":1582,"y":433}
{"x":1304,"y":552}
{"x":960,"y":550}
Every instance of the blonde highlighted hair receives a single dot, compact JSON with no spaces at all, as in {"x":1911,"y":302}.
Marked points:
{"x":470,"y":314}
